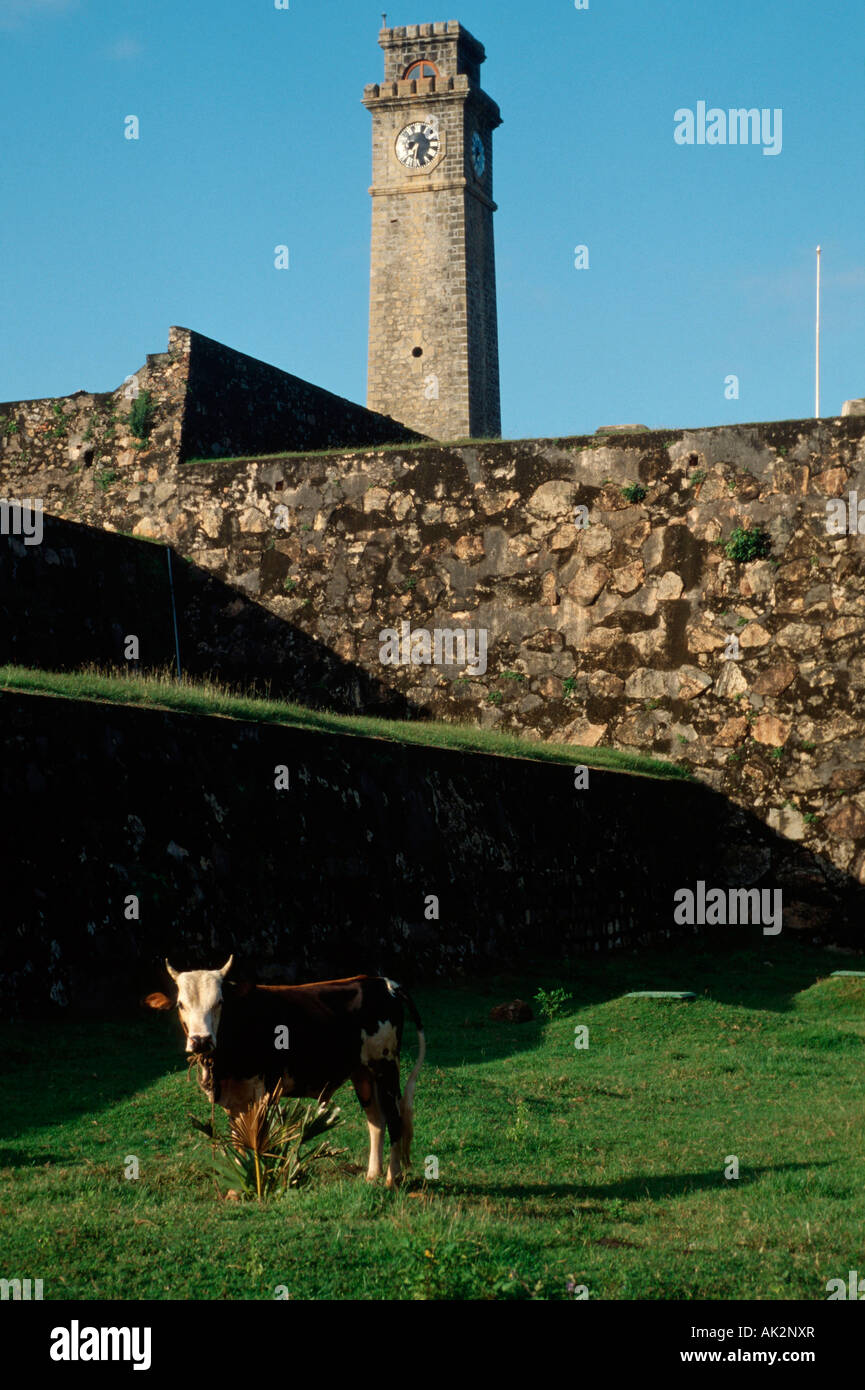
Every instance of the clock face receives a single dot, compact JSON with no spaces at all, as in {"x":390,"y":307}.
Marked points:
{"x":479,"y":155}
{"x":418,"y":145}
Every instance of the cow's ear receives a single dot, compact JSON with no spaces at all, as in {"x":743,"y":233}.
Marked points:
{"x":157,"y":1001}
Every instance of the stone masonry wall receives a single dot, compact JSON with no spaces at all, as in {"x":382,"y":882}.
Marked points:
{"x":614,"y":634}
{"x":236,"y":404}
{"x":207,"y":400}
{"x":332,"y":875}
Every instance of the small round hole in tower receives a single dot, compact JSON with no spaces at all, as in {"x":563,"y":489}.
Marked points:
{"x":417,"y":352}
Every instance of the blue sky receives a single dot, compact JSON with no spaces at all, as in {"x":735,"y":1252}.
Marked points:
{"x":252,"y":134}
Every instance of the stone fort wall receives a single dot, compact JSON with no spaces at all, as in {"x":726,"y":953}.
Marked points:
{"x":334,"y":874}
{"x":209,"y":401}
{"x":616,"y":632}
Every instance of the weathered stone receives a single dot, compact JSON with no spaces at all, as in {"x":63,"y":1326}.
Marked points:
{"x":847,"y":779}
{"x":648,"y":645}
{"x":469,"y":549}
{"x":430,"y":590}
{"x":493,"y":502}
{"x":843,"y":627}
{"x":601,"y":639}
{"x":758,"y":579}
{"x":730,"y":732}
{"x":251,"y":519}
{"x":581,"y":731}
{"x":700,"y":639}
{"x":730,"y":682}
{"x":250,"y":582}
{"x":210,"y":559}
{"x":768,"y":728}
{"x":691,"y":682}
{"x":547,"y":640}
{"x":754,"y":636}
{"x":152,"y":527}
{"x":775,"y":679}
{"x":637,"y":731}
{"x":595,"y":540}
{"x":800,"y":637}
{"x":587,"y":583}
{"x":629,"y":578}
{"x":604,"y":685}
{"x":553,"y":499}
{"x":549,"y":594}
{"x":564,"y":537}
{"x":831,"y":482}
{"x":670,"y":586}
{"x":846,"y":822}
{"x":646,"y":684}
{"x":549,"y":686}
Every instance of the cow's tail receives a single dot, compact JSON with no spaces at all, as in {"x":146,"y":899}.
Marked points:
{"x":407,"y":1103}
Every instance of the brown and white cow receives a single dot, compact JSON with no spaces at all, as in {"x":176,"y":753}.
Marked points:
{"x":312,"y":1038}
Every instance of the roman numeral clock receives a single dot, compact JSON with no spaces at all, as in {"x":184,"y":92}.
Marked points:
{"x":433,"y":332}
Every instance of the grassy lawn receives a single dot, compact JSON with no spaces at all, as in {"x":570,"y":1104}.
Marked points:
{"x":603,"y":1166}
{"x":163,"y":691}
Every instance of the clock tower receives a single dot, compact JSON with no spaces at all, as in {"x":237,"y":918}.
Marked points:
{"x":433,"y":335}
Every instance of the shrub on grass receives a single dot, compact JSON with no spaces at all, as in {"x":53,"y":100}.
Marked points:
{"x":262,"y":1156}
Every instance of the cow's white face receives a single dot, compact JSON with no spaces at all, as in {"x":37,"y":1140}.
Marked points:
{"x":199,"y":1004}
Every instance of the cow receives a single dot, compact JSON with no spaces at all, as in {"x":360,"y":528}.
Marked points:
{"x":312,"y":1038}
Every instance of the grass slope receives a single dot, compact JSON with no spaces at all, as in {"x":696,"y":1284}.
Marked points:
{"x":603,"y":1167}
{"x":162,"y":691}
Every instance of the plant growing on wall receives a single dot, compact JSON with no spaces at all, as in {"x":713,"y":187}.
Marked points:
{"x":60,"y":426}
{"x":634,"y":492}
{"x":748,"y":543}
{"x":141,"y":416}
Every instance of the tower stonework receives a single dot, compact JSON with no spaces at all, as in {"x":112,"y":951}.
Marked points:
{"x":433,"y":334}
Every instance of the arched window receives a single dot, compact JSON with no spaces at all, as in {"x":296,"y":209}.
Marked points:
{"x":422,"y":68}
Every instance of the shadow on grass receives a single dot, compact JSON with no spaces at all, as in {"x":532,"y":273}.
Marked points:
{"x":80,"y":1068}
{"x":655,"y":1186}
{"x":754,"y":973}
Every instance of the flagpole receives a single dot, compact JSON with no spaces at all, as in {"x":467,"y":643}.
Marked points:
{"x":817,"y":347}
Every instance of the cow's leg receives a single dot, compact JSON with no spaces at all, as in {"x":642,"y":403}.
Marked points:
{"x":367,"y":1093}
{"x":387,"y":1086}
